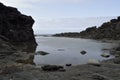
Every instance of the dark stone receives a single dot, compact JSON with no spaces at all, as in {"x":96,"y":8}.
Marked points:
{"x":83,"y":52}
{"x":68,"y":64}
{"x":51,"y":67}
{"x":14,"y":26}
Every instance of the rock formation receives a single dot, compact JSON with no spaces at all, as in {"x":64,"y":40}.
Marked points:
{"x":14,"y":26}
{"x":108,"y":30}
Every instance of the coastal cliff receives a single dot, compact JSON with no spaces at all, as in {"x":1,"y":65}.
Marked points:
{"x":14,"y":26}
{"x":16,"y":36}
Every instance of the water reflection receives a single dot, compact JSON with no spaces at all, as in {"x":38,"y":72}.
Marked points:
{"x":67,"y":50}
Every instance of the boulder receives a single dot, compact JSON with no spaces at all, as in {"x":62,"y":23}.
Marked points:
{"x":93,"y":62}
{"x":52,"y":68}
{"x":68,"y":64}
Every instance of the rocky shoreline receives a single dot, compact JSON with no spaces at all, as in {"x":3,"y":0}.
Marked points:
{"x":19,"y":65}
{"x":11,"y":69}
{"x":17,"y":50}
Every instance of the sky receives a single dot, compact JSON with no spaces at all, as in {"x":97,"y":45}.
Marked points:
{"x":56,"y":16}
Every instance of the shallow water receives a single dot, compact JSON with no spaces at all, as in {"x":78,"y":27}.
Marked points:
{"x":67,"y":50}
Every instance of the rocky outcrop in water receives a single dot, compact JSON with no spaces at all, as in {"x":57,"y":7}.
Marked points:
{"x":14,"y":26}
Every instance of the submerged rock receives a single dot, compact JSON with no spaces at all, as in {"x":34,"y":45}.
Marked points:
{"x":61,"y":49}
{"x":83,"y":52}
{"x":68,"y":64}
{"x":42,"y":53}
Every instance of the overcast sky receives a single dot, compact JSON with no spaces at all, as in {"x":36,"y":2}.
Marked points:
{"x":54,"y":16}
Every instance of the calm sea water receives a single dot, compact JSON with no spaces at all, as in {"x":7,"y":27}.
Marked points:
{"x":67,"y":50}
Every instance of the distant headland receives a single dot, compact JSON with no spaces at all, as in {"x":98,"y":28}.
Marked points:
{"x":108,"y":30}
